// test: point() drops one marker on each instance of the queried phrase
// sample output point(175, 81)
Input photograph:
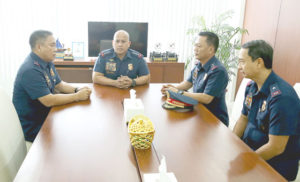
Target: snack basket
point(141, 131)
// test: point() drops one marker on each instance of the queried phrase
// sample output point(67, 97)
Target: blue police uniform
point(133, 65)
point(275, 110)
point(212, 79)
point(35, 78)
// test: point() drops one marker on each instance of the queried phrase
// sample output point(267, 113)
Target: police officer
point(209, 78)
point(33, 94)
point(270, 119)
point(121, 67)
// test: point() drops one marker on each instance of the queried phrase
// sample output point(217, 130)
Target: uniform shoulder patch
point(274, 89)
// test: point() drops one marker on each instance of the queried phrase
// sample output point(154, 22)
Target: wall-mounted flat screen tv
point(100, 36)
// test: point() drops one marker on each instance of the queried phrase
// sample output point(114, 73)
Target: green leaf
point(229, 38)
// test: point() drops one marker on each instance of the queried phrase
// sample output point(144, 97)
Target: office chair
point(12, 143)
point(238, 103)
point(105, 44)
point(297, 88)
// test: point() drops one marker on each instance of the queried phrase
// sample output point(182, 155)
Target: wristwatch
point(180, 92)
point(133, 83)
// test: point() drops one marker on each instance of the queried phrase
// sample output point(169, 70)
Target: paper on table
point(162, 176)
point(155, 177)
point(163, 170)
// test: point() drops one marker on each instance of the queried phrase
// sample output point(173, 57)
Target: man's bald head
point(121, 32)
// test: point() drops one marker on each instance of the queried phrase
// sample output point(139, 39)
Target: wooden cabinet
point(166, 72)
point(81, 71)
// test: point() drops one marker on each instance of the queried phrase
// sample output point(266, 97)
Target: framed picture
point(78, 49)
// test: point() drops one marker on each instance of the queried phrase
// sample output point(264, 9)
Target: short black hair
point(211, 39)
point(260, 49)
point(38, 35)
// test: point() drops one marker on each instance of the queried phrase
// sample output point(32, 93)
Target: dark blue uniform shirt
point(212, 79)
point(133, 64)
point(275, 110)
point(35, 78)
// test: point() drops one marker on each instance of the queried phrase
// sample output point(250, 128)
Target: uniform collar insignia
point(36, 63)
point(213, 67)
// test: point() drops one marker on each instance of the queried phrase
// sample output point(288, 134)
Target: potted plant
point(229, 39)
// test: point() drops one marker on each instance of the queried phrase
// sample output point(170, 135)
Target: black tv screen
point(100, 36)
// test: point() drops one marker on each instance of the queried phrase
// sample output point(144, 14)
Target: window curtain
point(168, 23)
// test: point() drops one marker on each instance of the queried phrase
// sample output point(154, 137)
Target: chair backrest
point(12, 143)
point(297, 88)
point(238, 103)
point(105, 44)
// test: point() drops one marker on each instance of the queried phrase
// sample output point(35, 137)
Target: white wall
point(168, 22)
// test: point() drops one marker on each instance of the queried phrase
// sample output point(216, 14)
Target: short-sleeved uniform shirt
point(133, 64)
point(35, 78)
point(212, 79)
point(275, 110)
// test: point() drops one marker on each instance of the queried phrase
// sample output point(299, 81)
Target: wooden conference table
point(88, 141)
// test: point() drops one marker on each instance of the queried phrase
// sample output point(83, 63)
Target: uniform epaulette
point(106, 52)
point(274, 89)
point(213, 67)
point(135, 53)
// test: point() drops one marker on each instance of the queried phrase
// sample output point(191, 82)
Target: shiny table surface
point(88, 141)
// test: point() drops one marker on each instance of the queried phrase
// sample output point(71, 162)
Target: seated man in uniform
point(121, 67)
point(209, 78)
point(270, 118)
point(34, 94)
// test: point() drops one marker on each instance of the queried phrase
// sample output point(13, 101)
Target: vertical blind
point(168, 23)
